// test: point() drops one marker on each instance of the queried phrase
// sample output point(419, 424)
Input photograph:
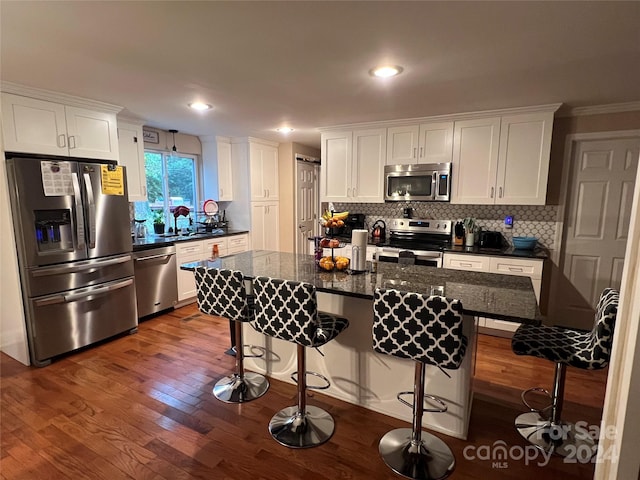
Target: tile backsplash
point(528, 220)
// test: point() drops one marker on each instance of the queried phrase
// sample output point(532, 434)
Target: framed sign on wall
point(150, 136)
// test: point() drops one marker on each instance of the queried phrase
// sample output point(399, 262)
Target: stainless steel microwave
point(426, 182)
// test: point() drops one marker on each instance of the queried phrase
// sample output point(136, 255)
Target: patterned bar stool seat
point(585, 350)
point(222, 293)
point(427, 329)
point(288, 310)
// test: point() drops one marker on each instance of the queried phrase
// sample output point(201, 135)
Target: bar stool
point(222, 293)
point(288, 310)
point(544, 427)
point(427, 329)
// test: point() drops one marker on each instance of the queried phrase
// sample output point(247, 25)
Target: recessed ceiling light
point(284, 129)
point(200, 106)
point(386, 71)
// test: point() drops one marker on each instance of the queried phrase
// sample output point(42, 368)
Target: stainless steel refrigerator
point(73, 236)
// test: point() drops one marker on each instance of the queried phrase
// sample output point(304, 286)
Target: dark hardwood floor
point(141, 407)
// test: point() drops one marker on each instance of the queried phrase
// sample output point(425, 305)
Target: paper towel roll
point(359, 239)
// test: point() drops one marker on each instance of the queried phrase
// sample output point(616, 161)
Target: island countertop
point(502, 297)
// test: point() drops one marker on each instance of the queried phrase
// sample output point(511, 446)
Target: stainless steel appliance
point(71, 220)
point(416, 241)
point(156, 280)
point(427, 182)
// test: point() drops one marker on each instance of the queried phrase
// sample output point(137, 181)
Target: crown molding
point(600, 109)
point(254, 140)
point(63, 98)
point(552, 107)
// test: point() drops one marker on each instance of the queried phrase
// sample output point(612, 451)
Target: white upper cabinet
point(225, 175)
point(335, 178)
point(402, 144)
point(131, 149)
point(523, 159)
point(424, 143)
point(475, 161)
point(502, 160)
point(32, 125)
point(263, 164)
point(353, 166)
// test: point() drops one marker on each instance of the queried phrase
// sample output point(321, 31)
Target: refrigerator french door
point(71, 220)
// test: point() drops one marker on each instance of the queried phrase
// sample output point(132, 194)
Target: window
point(171, 182)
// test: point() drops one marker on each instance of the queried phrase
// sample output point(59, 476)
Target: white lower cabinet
point(265, 234)
point(531, 268)
point(187, 252)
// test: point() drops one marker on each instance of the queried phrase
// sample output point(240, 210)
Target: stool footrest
point(539, 411)
point(443, 406)
point(294, 377)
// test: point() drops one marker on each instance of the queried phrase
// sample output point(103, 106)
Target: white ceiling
point(305, 64)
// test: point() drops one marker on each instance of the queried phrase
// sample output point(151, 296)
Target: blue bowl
point(525, 243)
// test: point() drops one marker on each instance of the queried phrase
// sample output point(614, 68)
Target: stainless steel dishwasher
point(156, 279)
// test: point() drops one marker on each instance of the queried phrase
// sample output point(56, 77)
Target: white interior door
point(307, 204)
point(596, 226)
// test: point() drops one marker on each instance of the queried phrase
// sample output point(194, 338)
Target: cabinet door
point(335, 178)
point(263, 164)
point(475, 161)
point(402, 145)
point(271, 227)
point(369, 152)
point(436, 142)
point(225, 176)
point(33, 126)
point(523, 161)
point(92, 134)
point(131, 149)
point(186, 280)
point(258, 213)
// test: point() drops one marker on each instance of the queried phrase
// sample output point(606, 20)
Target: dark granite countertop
point(502, 297)
point(155, 241)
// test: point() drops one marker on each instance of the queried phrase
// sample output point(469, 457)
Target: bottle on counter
point(215, 253)
point(374, 263)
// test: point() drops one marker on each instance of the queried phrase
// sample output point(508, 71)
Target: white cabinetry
point(502, 160)
point(31, 125)
point(265, 226)
point(263, 164)
point(197, 250)
point(353, 166)
point(531, 268)
point(225, 173)
point(131, 148)
point(424, 143)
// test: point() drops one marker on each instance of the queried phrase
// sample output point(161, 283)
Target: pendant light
point(174, 150)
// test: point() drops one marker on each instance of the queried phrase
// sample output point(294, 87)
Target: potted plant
point(158, 221)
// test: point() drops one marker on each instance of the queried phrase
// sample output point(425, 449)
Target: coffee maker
point(354, 221)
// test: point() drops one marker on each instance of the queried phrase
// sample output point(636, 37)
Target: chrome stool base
point(430, 459)
point(236, 389)
point(564, 439)
point(313, 428)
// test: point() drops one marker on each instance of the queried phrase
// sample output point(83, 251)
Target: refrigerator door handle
point(88, 295)
point(74, 297)
point(92, 211)
point(85, 267)
point(77, 199)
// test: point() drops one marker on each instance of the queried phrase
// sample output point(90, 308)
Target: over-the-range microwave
point(426, 182)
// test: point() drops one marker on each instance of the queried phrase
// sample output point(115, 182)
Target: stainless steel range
point(416, 241)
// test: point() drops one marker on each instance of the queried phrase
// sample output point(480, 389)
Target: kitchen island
point(358, 374)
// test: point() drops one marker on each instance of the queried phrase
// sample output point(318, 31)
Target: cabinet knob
point(500, 192)
point(72, 141)
point(415, 150)
point(421, 149)
point(62, 141)
point(491, 192)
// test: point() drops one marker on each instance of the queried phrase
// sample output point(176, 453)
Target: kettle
point(141, 229)
point(379, 229)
